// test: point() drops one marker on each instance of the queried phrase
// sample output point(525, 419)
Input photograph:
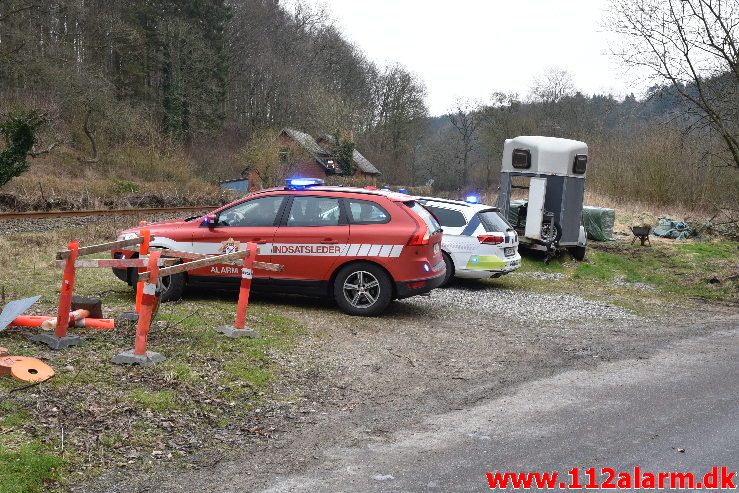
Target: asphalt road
point(622, 414)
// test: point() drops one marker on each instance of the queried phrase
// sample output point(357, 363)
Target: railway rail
point(99, 212)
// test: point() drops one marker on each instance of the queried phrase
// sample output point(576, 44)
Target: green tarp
point(598, 221)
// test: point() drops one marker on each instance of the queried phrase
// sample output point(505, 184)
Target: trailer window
point(521, 159)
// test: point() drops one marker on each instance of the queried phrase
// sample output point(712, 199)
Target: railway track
point(99, 212)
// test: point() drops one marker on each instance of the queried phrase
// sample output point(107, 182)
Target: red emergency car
point(363, 247)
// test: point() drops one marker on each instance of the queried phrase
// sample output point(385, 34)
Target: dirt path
point(360, 379)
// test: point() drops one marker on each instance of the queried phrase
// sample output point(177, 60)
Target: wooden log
point(117, 263)
point(102, 247)
point(196, 264)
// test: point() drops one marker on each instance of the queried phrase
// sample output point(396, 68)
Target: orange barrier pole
point(246, 275)
point(148, 295)
point(143, 250)
point(38, 320)
point(65, 296)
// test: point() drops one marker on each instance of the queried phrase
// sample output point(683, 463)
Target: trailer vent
point(581, 161)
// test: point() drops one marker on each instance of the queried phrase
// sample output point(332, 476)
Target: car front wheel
point(363, 289)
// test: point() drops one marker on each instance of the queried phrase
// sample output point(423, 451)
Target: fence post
point(149, 301)
point(60, 339)
point(238, 328)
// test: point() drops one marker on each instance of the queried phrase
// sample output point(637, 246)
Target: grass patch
point(28, 468)
point(162, 400)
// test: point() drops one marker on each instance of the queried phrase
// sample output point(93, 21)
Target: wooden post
point(148, 302)
point(65, 296)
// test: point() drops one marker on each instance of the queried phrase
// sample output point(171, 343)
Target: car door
point(310, 240)
point(252, 220)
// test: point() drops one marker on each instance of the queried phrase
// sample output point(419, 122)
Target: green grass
point(28, 468)
point(163, 400)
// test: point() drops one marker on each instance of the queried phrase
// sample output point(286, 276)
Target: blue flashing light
point(426, 267)
point(303, 182)
point(474, 259)
point(403, 190)
point(472, 199)
point(387, 189)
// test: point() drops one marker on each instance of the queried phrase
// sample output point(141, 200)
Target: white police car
point(477, 242)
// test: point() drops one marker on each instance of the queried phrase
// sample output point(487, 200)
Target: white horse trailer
point(553, 173)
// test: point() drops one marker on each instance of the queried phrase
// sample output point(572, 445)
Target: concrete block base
point(55, 342)
point(129, 358)
point(233, 332)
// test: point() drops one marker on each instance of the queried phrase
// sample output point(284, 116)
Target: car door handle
point(329, 241)
point(259, 241)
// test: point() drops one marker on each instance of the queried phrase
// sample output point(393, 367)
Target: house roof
point(321, 154)
point(362, 162)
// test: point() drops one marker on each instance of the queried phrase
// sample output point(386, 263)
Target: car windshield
point(492, 221)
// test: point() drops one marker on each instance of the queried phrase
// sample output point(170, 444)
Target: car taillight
point(491, 239)
point(421, 235)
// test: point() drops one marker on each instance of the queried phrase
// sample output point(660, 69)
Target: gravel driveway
point(356, 380)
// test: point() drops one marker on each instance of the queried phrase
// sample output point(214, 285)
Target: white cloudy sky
point(471, 48)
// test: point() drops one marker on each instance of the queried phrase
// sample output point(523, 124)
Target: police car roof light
point(403, 190)
point(303, 182)
point(472, 199)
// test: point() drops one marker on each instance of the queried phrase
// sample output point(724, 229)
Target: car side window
point(314, 211)
point(366, 212)
point(447, 217)
point(259, 212)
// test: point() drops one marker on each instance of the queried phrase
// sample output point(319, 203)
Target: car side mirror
point(209, 221)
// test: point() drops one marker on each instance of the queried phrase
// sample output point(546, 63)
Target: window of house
point(283, 155)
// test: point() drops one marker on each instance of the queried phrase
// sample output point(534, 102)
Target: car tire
point(171, 288)
point(449, 269)
point(578, 253)
point(363, 289)
point(552, 238)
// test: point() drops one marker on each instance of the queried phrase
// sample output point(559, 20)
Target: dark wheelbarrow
point(642, 233)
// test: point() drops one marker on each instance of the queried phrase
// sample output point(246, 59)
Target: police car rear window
point(493, 222)
point(432, 224)
point(447, 217)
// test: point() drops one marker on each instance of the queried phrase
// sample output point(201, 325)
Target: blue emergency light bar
point(297, 183)
point(403, 190)
point(472, 199)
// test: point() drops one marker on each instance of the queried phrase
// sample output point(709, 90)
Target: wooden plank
point(269, 266)
point(196, 264)
point(102, 247)
point(196, 256)
point(88, 263)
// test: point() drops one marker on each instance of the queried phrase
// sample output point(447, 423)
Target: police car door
point(252, 220)
point(310, 240)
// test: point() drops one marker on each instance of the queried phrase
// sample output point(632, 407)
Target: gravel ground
point(521, 306)
point(358, 380)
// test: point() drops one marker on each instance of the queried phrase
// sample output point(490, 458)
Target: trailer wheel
point(549, 236)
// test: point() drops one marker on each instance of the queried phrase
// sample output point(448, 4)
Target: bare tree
point(466, 117)
point(552, 85)
point(692, 46)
